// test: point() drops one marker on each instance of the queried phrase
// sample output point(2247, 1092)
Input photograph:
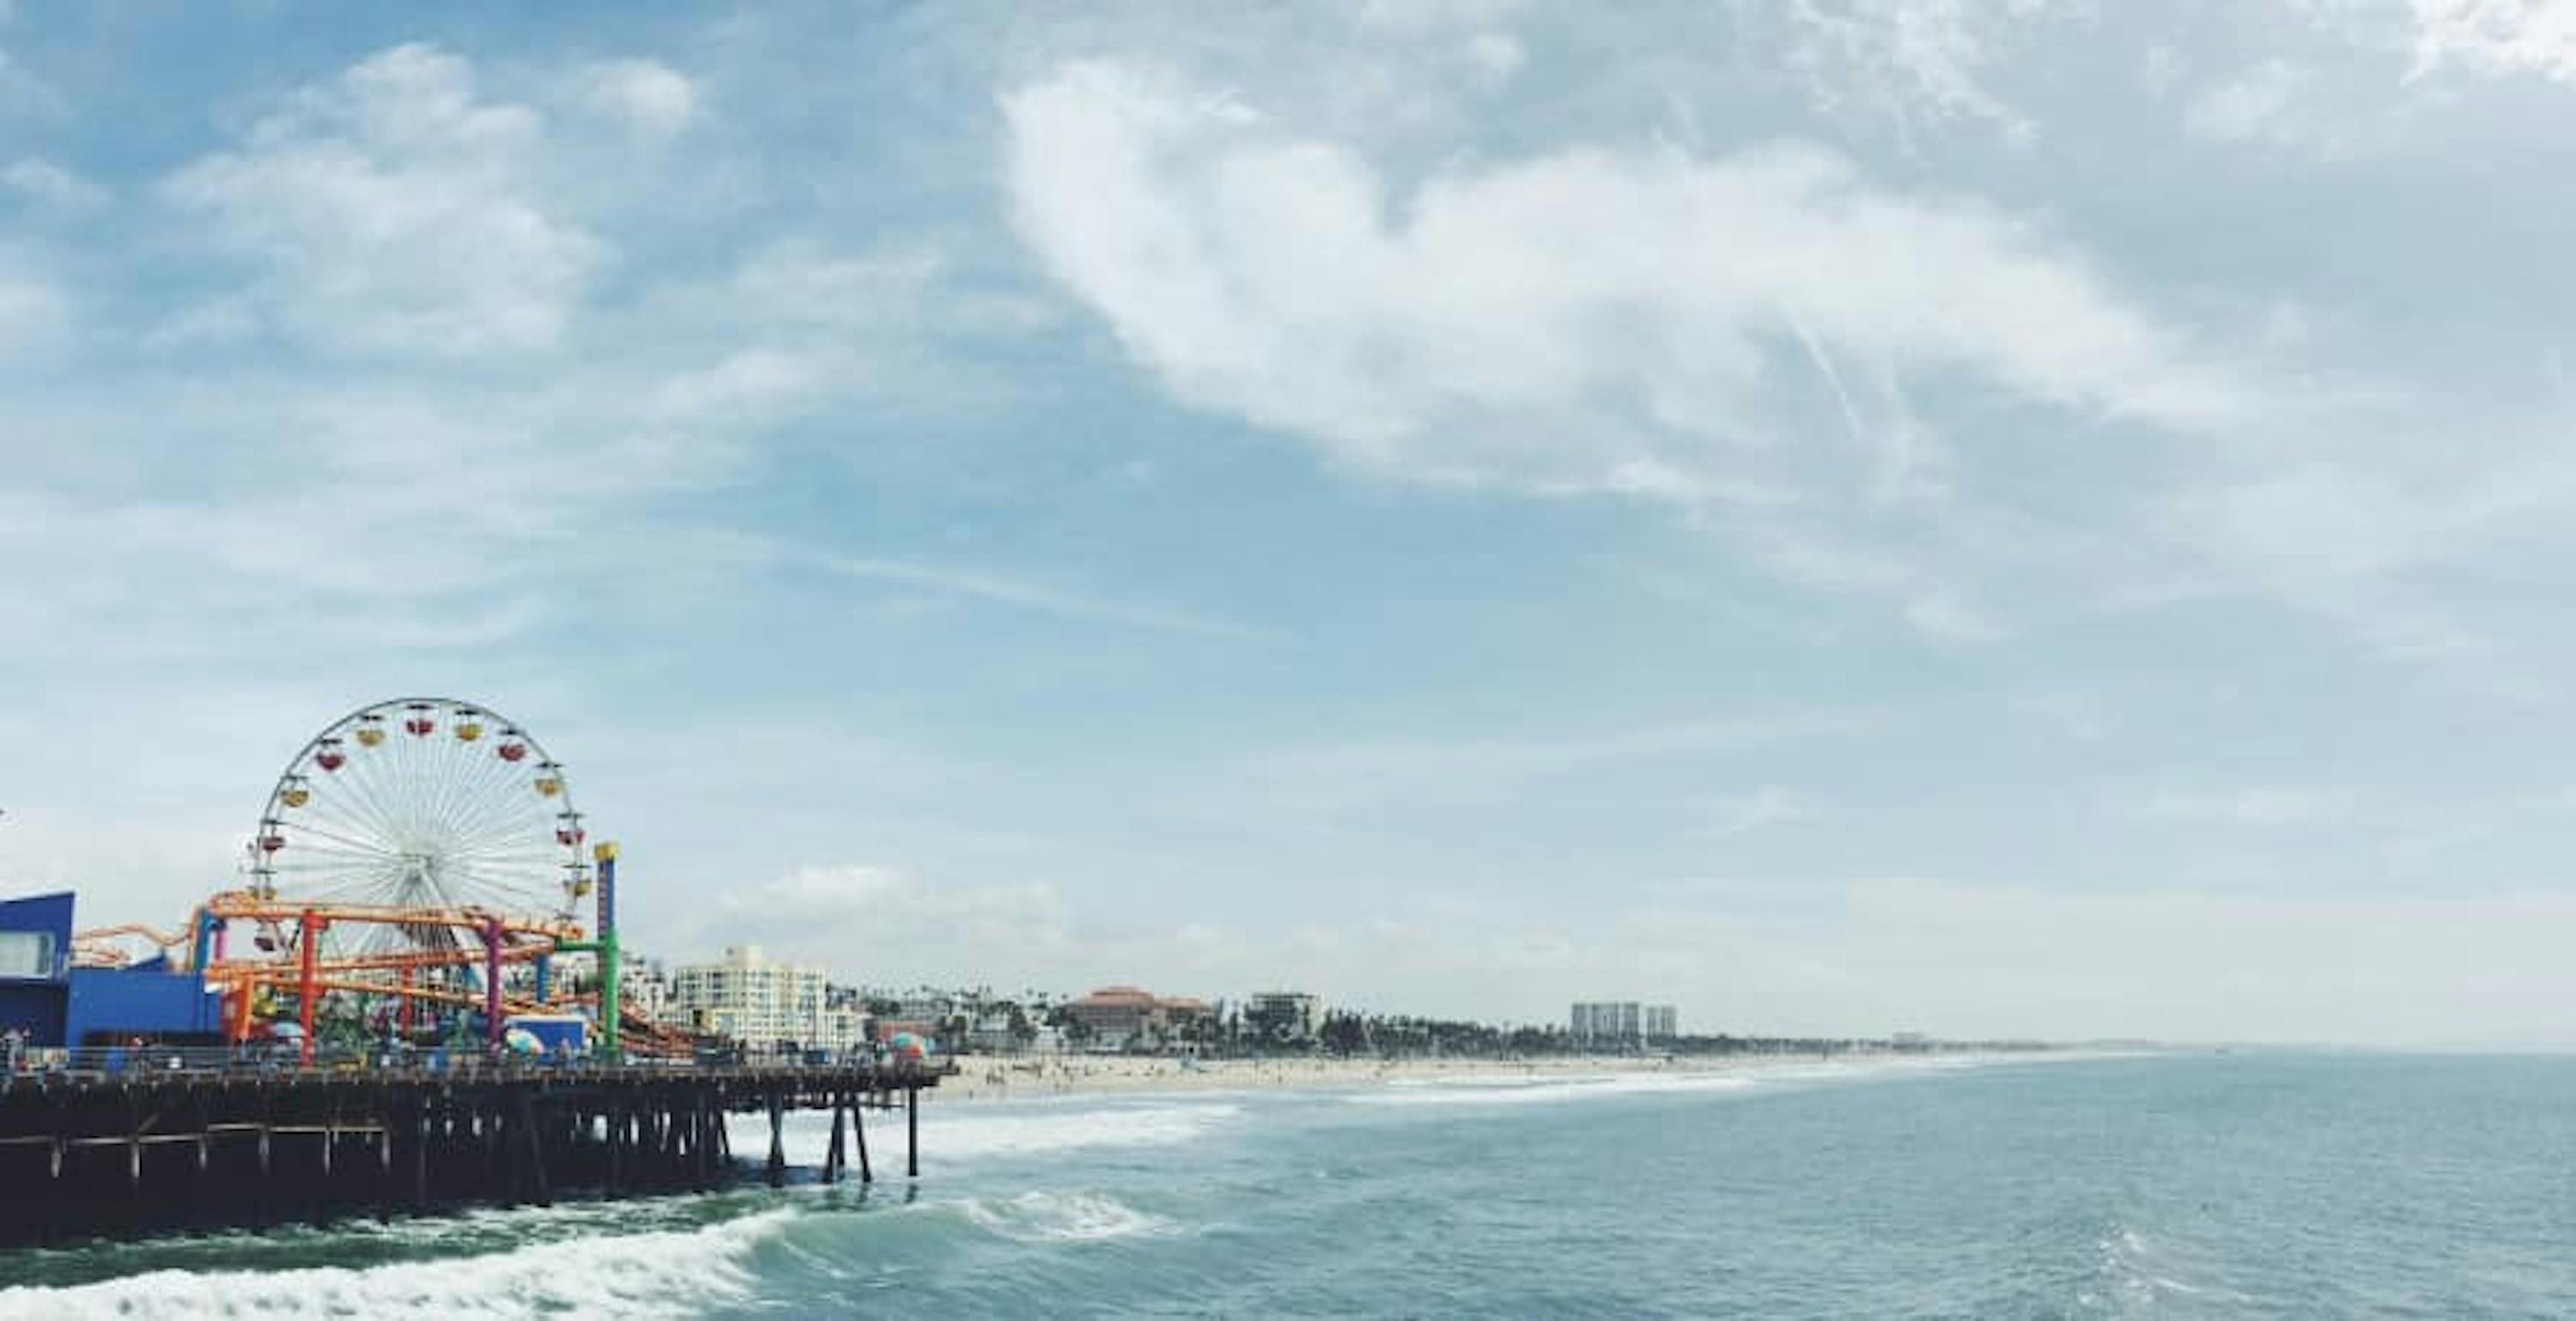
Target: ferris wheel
point(421, 803)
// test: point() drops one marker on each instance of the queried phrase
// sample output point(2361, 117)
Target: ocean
point(2186, 1185)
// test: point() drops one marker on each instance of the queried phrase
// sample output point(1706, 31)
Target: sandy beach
point(997, 1078)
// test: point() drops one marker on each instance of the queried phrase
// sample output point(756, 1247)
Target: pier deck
point(87, 1152)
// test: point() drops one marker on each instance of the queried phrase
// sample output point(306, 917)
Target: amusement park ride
point(417, 862)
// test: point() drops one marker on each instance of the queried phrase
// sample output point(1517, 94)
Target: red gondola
point(513, 751)
point(421, 725)
point(329, 759)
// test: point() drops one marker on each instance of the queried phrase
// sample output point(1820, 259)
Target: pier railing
point(269, 1060)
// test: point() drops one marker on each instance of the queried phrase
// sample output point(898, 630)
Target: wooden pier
point(93, 1153)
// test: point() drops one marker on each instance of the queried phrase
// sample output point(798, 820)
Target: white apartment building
point(1623, 1024)
point(642, 991)
point(756, 1000)
point(1613, 1023)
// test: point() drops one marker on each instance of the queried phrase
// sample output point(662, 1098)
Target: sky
point(1987, 517)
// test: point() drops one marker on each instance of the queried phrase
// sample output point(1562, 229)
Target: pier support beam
point(912, 1132)
point(859, 1132)
point(832, 1159)
point(777, 1140)
point(535, 1140)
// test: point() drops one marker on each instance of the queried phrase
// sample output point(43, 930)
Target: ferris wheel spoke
point(463, 803)
point(359, 845)
point(335, 817)
point(494, 879)
point(350, 782)
point(491, 800)
point(477, 833)
point(362, 799)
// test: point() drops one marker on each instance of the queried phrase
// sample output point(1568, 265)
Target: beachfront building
point(643, 991)
point(1122, 1018)
point(1282, 1016)
point(1622, 1025)
point(1607, 1024)
point(1117, 1018)
point(753, 999)
point(839, 1028)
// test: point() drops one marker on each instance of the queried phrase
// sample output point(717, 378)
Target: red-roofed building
point(1117, 1018)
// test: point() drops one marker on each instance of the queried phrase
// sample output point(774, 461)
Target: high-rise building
point(753, 999)
point(1621, 1024)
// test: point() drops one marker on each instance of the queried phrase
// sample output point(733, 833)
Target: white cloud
point(2356, 540)
point(2158, 69)
point(33, 314)
point(1441, 336)
point(1496, 53)
point(2252, 104)
point(394, 211)
point(1920, 61)
point(1434, 15)
point(45, 182)
point(2270, 805)
point(2497, 36)
point(648, 97)
point(1767, 806)
point(859, 919)
point(1042, 599)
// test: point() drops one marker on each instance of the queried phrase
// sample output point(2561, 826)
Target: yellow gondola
point(296, 797)
point(550, 786)
point(369, 736)
point(468, 730)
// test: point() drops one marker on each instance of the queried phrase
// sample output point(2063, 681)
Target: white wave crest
point(1041, 1217)
point(983, 1131)
point(665, 1273)
point(968, 1137)
point(1552, 1091)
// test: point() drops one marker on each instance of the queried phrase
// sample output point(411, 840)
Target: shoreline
point(984, 1079)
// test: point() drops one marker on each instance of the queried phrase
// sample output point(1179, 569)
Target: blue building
point(56, 1004)
point(35, 966)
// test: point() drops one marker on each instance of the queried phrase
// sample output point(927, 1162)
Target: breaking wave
point(986, 1133)
point(662, 1273)
point(1042, 1217)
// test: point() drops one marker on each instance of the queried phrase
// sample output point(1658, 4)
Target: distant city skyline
point(2013, 519)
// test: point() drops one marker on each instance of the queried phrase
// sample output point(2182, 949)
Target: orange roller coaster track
point(503, 940)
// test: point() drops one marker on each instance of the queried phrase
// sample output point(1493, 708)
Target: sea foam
point(1044, 1217)
point(1550, 1091)
point(663, 1273)
point(988, 1132)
